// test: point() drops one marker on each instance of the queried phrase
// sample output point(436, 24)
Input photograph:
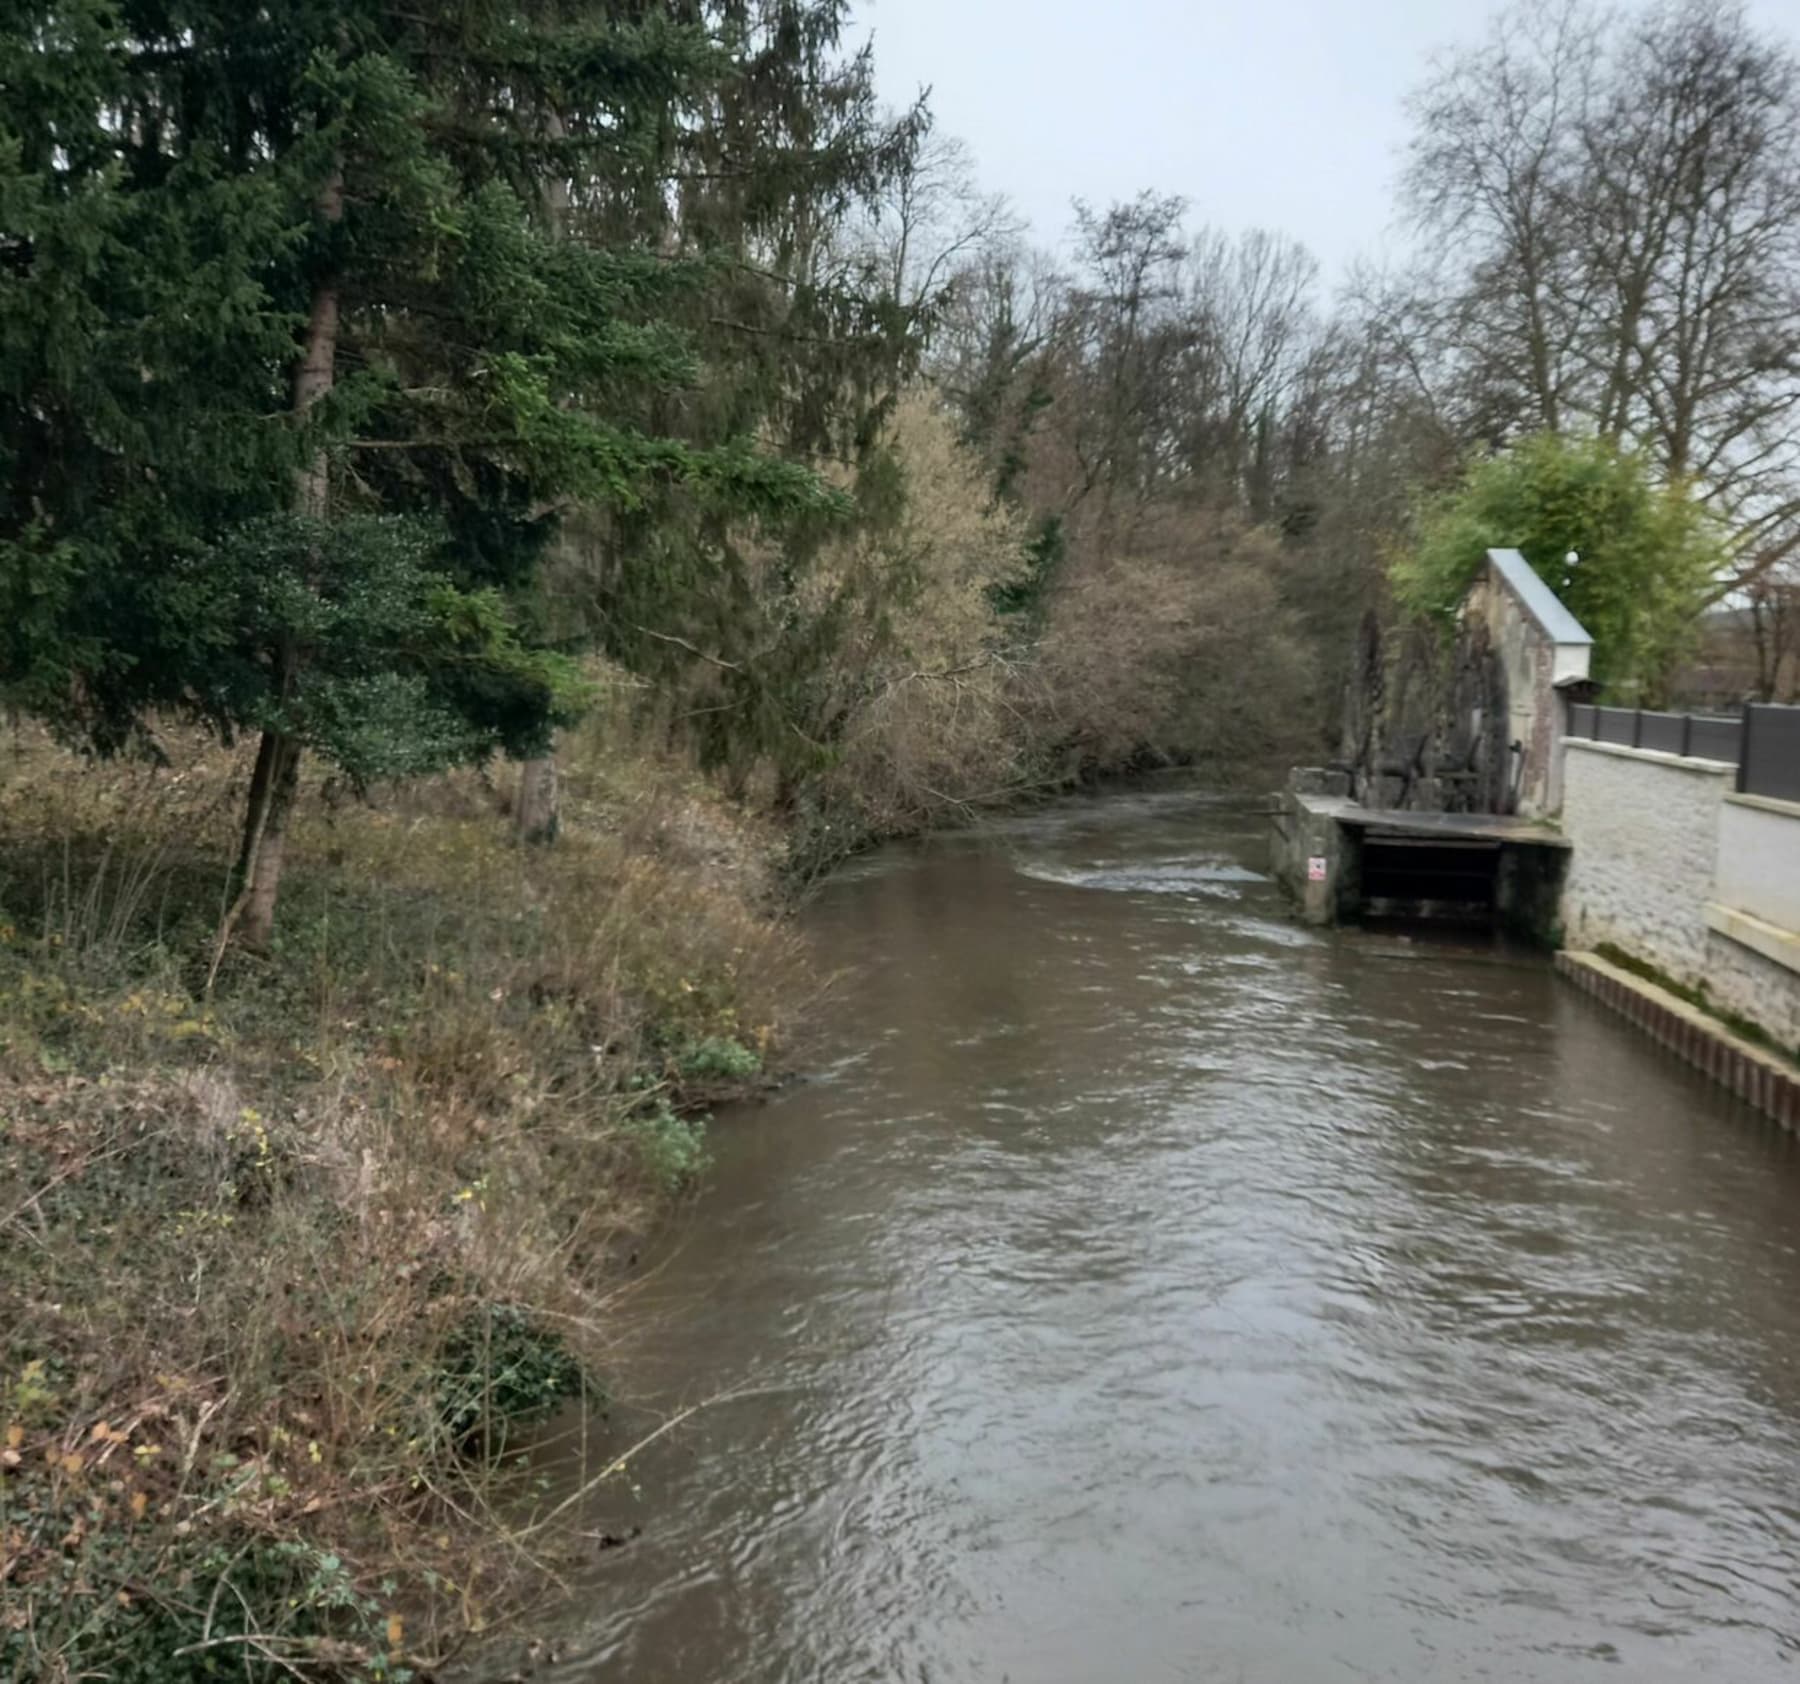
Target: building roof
point(1537, 598)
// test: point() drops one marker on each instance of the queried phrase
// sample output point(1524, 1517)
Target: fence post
point(1637, 729)
point(1687, 736)
point(1743, 777)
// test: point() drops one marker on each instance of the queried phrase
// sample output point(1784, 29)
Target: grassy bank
point(284, 1263)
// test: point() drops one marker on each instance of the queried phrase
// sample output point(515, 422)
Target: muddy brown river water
point(1147, 1288)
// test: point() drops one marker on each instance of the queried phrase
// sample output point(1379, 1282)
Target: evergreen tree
point(802, 345)
point(297, 382)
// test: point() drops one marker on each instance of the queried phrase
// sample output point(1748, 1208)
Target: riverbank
point(291, 1255)
point(285, 1258)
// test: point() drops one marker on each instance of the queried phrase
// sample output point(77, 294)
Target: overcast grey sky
point(1275, 113)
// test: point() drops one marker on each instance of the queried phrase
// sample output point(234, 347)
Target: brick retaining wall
point(1761, 1079)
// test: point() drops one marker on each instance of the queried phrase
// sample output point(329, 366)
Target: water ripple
point(1154, 1289)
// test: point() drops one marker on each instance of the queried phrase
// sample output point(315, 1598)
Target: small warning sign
point(1315, 869)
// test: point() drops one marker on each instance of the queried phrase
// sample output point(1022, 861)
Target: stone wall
point(1741, 981)
point(1305, 830)
point(1656, 847)
point(1530, 662)
point(1645, 829)
point(1755, 916)
point(1759, 859)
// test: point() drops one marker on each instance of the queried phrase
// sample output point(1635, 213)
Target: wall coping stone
point(1757, 934)
point(1677, 762)
point(1766, 804)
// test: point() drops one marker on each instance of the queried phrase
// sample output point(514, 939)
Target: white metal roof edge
point(1537, 598)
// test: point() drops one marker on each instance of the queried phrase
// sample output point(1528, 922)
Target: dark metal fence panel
point(1716, 738)
point(1699, 736)
point(1771, 759)
point(1618, 725)
point(1665, 732)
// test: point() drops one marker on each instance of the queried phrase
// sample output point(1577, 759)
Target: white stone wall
point(1658, 840)
point(1759, 859)
point(1645, 829)
point(1742, 981)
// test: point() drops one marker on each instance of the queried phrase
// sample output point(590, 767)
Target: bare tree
point(1250, 304)
point(1773, 611)
point(1120, 338)
point(1690, 193)
point(987, 347)
point(934, 222)
point(1490, 183)
point(1617, 205)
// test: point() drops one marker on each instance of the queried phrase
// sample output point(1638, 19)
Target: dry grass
point(280, 1269)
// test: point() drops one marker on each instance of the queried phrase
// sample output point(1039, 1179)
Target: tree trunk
point(277, 774)
point(536, 815)
point(260, 782)
point(265, 837)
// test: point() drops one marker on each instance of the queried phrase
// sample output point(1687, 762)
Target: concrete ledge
point(1765, 804)
point(1675, 762)
point(1760, 936)
point(1759, 1078)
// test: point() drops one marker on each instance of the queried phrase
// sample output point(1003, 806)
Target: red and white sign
point(1315, 869)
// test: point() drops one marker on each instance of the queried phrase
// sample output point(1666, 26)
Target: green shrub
point(500, 1370)
point(1647, 552)
point(671, 1149)
point(720, 1057)
point(119, 1603)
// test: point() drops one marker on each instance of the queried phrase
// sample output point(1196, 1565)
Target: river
point(1147, 1288)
